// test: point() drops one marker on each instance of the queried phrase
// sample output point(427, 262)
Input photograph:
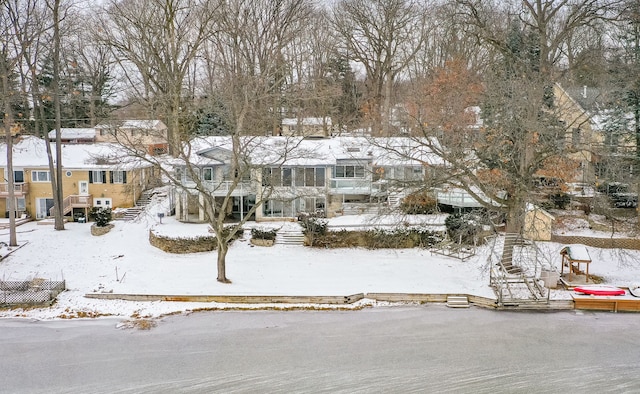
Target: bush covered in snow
point(102, 216)
point(268, 234)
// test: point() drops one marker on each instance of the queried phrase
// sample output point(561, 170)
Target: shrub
point(227, 229)
point(268, 234)
point(378, 238)
point(560, 200)
point(419, 203)
point(102, 216)
point(314, 226)
point(464, 227)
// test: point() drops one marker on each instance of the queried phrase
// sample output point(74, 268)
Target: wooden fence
point(604, 243)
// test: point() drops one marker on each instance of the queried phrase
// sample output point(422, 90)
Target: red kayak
point(600, 290)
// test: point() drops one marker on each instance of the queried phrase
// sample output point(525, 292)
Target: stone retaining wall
point(183, 245)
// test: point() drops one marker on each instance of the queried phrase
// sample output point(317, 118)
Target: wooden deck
point(622, 303)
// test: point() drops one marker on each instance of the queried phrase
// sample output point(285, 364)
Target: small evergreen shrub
point(268, 234)
point(464, 227)
point(101, 216)
point(560, 200)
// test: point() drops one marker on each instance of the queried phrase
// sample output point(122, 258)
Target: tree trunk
point(8, 122)
point(223, 248)
point(57, 190)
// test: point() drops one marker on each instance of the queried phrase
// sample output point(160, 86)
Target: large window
point(300, 176)
point(118, 177)
point(40, 176)
point(313, 176)
point(349, 171)
point(97, 177)
point(18, 176)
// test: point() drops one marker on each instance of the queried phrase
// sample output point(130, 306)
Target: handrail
point(17, 187)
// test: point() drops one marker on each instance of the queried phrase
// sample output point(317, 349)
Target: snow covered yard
point(123, 261)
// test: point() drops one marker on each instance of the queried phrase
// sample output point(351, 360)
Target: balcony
point(350, 186)
point(224, 188)
point(19, 189)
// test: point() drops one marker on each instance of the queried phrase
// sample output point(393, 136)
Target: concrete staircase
point(133, 212)
point(290, 236)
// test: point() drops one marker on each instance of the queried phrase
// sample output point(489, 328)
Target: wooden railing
point(73, 201)
point(18, 188)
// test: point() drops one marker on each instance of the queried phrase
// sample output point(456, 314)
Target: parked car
point(625, 200)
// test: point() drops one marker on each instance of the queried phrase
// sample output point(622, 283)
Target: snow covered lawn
point(123, 261)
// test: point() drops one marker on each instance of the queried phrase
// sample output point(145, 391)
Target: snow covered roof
point(74, 133)
point(30, 152)
point(307, 121)
point(298, 151)
point(133, 124)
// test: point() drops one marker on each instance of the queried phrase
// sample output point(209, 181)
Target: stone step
point(457, 302)
point(288, 237)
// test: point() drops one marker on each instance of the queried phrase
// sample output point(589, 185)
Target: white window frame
point(35, 176)
point(103, 202)
point(207, 172)
point(118, 176)
point(96, 176)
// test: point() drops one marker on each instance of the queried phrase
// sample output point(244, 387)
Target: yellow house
point(580, 138)
point(93, 175)
point(149, 134)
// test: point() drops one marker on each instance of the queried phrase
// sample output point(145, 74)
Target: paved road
point(410, 349)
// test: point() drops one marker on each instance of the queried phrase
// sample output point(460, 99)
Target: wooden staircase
point(515, 270)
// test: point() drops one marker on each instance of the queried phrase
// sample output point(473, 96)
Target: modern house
point(293, 176)
point(93, 175)
point(150, 134)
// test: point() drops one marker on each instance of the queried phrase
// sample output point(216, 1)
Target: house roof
point(590, 99)
point(74, 133)
point(307, 121)
point(30, 152)
point(307, 152)
point(133, 124)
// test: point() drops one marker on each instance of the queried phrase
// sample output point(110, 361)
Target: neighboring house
point(74, 135)
point(328, 177)
point(149, 134)
point(93, 175)
point(612, 148)
point(581, 140)
point(307, 127)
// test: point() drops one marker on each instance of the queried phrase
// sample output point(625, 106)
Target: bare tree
point(247, 67)
point(21, 29)
point(550, 25)
point(383, 36)
point(8, 60)
point(156, 43)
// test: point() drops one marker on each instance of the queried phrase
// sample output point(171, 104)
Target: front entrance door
point(83, 188)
